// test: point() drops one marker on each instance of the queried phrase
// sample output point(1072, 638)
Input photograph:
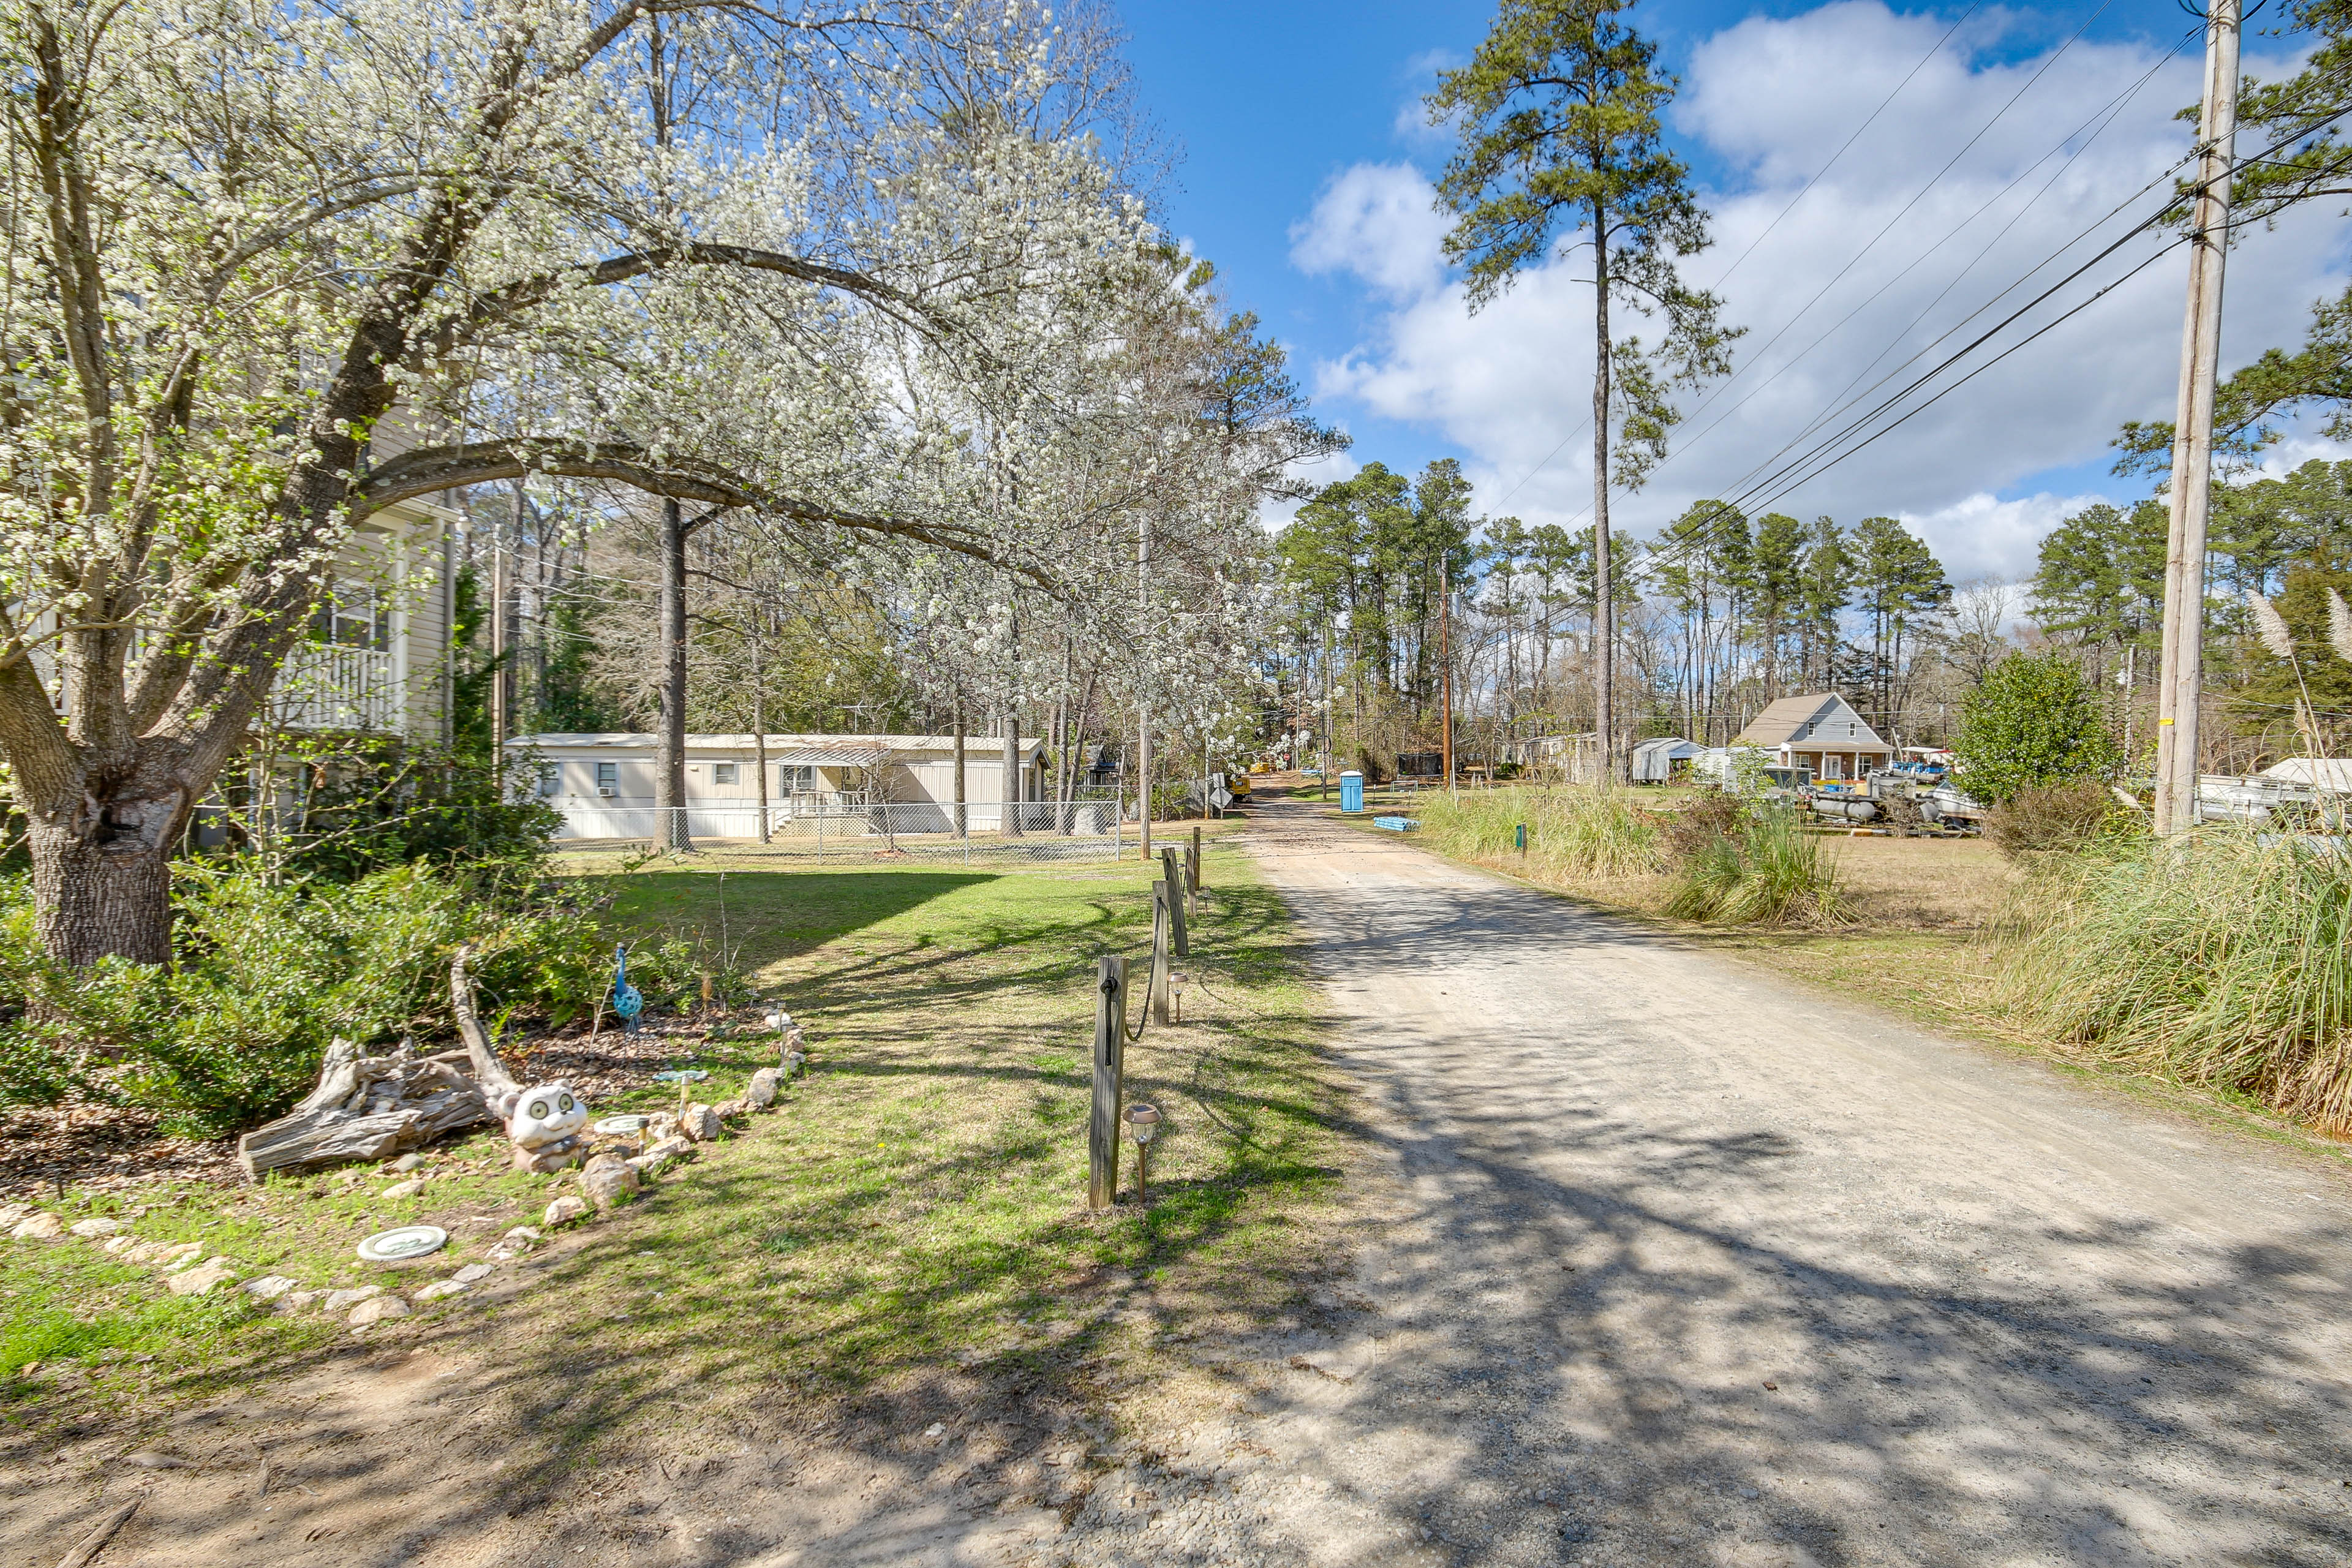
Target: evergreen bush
point(267, 971)
point(2035, 720)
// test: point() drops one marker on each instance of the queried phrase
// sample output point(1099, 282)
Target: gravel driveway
point(1675, 1262)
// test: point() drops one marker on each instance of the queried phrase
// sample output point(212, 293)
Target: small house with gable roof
point(1820, 731)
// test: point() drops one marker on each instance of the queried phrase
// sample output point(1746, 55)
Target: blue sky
point(1303, 177)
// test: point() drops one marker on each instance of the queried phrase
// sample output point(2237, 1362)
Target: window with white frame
point(793, 780)
point(551, 777)
point(352, 615)
point(722, 772)
point(608, 778)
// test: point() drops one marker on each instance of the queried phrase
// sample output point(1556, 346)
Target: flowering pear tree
point(240, 238)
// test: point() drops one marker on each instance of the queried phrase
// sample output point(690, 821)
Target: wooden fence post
point(1163, 911)
point(1192, 865)
point(1179, 942)
point(1110, 1062)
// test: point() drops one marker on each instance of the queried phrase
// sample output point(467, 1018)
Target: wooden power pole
point(2179, 686)
point(1446, 675)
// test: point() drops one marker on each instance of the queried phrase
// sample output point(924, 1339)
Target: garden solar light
point(1143, 1126)
point(1176, 992)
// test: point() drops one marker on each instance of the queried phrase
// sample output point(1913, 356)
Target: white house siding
point(921, 771)
point(403, 686)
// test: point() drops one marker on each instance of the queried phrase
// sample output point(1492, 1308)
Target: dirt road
point(1682, 1264)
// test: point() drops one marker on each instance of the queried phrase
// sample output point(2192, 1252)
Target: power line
point(1901, 213)
point(1810, 182)
point(2102, 119)
point(1934, 49)
point(2147, 223)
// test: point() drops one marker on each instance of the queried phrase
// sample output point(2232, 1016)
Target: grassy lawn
point(912, 1219)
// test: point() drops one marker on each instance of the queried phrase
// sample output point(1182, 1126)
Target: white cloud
point(1979, 535)
point(1375, 221)
point(1774, 99)
point(1273, 515)
point(1411, 124)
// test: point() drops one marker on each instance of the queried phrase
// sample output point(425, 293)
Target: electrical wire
point(2108, 112)
point(1812, 180)
point(1744, 497)
point(1901, 213)
point(2102, 120)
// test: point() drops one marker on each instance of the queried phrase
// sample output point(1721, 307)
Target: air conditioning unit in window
point(606, 792)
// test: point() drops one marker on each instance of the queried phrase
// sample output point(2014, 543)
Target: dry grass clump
point(2222, 962)
point(2050, 819)
point(1763, 871)
point(1710, 859)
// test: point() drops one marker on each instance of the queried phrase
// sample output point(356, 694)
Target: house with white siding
point(603, 784)
point(1820, 731)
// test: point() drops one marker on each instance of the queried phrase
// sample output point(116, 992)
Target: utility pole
point(1446, 677)
point(2179, 686)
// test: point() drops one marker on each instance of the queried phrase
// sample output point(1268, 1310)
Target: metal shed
point(1654, 762)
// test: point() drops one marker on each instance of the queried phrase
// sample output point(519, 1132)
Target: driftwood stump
point(372, 1107)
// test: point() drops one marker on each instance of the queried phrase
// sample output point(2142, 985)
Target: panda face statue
point(546, 1113)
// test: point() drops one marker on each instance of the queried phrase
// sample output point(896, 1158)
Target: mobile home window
point(551, 777)
point(608, 777)
point(790, 778)
point(722, 772)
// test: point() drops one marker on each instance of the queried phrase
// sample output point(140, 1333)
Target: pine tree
point(1561, 141)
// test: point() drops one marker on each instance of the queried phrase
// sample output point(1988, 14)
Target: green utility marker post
point(1521, 832)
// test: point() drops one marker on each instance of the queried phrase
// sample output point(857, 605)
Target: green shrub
point(2036, 720)
point(343, 807)
point(2224, 960)
point(1767, 872)
point(268, 972)
point(2050, 819)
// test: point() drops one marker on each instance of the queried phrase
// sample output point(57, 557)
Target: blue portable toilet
point(1352, 791)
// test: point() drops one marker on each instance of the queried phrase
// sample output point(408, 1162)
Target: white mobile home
point(603, 784)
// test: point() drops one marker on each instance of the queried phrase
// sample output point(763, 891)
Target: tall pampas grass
point(2271, 627)
point(2339, 626)
point(2224, 960)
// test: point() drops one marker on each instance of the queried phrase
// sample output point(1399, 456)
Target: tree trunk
point(103, 880)
point(1604, 609)
point(962, 822)
point(1011, 771)
point(669, 757)
point(759, 720)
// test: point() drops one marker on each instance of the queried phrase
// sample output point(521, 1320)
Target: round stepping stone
point(405, 1241)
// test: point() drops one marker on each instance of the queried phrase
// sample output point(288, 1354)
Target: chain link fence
point(990, 832)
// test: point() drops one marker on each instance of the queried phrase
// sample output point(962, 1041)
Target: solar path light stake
point(1178, 943)
point(1176, 993)
point(1143, 1126)
point(1110, 1052)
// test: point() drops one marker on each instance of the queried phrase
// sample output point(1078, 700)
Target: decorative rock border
point(607, 1180)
